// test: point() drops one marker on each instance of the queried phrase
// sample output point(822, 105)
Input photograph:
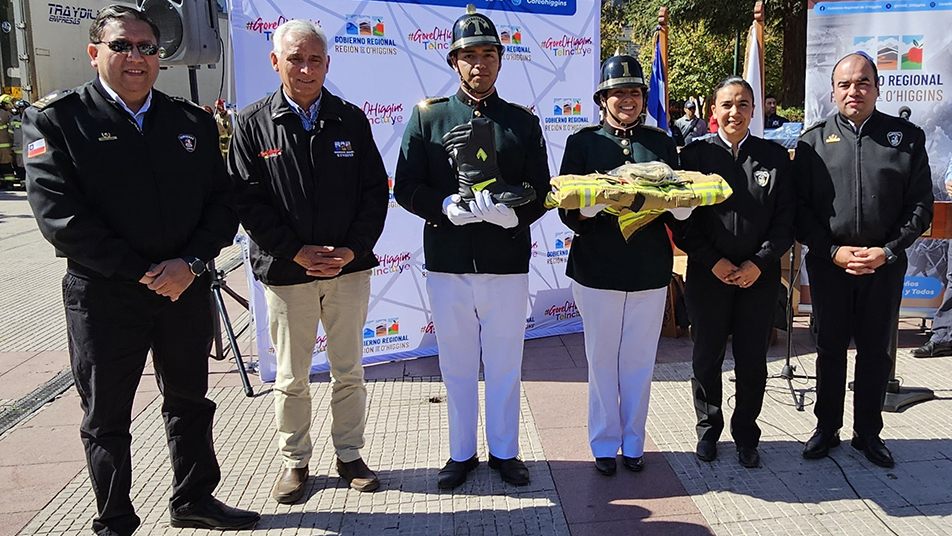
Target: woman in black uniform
point(619, 287)
point(733, 276)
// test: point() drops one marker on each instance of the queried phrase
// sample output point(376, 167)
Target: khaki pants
point(294, 312)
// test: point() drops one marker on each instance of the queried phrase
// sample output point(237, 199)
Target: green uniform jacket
point(600, 257)
point(872, 189)
point(425, 177)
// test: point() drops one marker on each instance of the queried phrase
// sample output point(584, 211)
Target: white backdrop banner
point(912, 47)
point(387, 56)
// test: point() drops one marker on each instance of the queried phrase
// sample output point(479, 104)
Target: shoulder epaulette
point(183, 100)
point(819, 123)
point(51, 98)
point(523, 108)
point(433, 100)
point(586, 128)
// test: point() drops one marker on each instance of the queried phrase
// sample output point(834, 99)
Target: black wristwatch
point(890, 256)
point(196, 265)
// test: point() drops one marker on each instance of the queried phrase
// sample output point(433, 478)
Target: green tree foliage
point(700, 40)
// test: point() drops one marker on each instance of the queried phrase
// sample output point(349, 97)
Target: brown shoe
point(290, 485)
point(360, 476)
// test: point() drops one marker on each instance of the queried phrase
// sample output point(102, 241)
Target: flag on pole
point(657, 89)
point(754, 69)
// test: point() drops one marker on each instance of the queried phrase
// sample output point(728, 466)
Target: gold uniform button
point(626, 151)
point(624, 142)
point(477, 114)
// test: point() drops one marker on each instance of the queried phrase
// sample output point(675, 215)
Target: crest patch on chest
point(895, 138)
point(762, 176)
point(188, 141)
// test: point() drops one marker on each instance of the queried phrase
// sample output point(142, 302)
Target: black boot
point(472, 146)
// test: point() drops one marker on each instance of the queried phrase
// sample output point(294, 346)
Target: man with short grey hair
point(312, 193)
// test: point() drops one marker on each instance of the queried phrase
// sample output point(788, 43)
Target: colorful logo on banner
point(567, 114)
point(383, 113)
point(393, 264)
point(435, 39)
point(364, 34)
point(510, 35)
point(392, 203)
point(563, 243)
point(892, 52)
point(564, 311)
point(893, 55)
point(511, 38)
point(568, 45)
point(384, 336)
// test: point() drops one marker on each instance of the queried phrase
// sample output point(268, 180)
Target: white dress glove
point(681, 213)
point(592, 211)
point(497, 214)
point(455, 214)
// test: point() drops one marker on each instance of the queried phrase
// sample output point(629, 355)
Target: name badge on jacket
point(343, 149)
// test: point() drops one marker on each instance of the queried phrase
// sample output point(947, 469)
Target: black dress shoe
point(512, 470)
point(748, 457)
point(875, 450)
point(606, 466)
point(358, 475)
point(706, 450)
point(453, 474)
point(635, 465)
point(213, 515)
point(933, 349)
point(820, 443)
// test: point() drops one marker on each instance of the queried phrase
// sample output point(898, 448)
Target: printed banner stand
point(909, 41)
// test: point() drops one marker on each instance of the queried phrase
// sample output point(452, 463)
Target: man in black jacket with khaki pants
point(865, 195)
point(312, 193)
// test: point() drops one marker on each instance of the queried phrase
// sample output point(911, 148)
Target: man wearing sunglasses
point(129, 185)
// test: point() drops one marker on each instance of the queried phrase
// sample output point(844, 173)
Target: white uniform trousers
point(295, 310)
point(480, 316)
point(621, 342)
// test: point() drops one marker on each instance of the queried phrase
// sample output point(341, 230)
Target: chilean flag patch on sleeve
point(36, 148)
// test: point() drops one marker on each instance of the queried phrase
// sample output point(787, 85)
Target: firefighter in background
point(225, 126)
point(6, 140)
point(16, 132)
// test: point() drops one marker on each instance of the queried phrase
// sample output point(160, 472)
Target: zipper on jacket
point(858, 180)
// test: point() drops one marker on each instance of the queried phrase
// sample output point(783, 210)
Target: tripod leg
point(220, 302)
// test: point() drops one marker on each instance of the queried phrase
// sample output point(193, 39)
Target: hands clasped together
point(859, 260)
point(323, 261)
point(169, 278)
point(743, 276)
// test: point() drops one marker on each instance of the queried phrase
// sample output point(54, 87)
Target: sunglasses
point(124, 47)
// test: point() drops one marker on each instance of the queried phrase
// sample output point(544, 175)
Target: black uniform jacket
point(868, 189)
point(756, 222)
point(425, 177)
point(600, 256)
point(115, 200)
point(324, 187)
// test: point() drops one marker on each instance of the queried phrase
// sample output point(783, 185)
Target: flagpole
point(663, 37)
point(754, 67)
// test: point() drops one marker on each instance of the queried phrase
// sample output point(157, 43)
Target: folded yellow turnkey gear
point(660, 186)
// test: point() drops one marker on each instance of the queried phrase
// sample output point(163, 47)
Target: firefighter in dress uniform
point(619, 286)
point(733, 276)
point(477, 247)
